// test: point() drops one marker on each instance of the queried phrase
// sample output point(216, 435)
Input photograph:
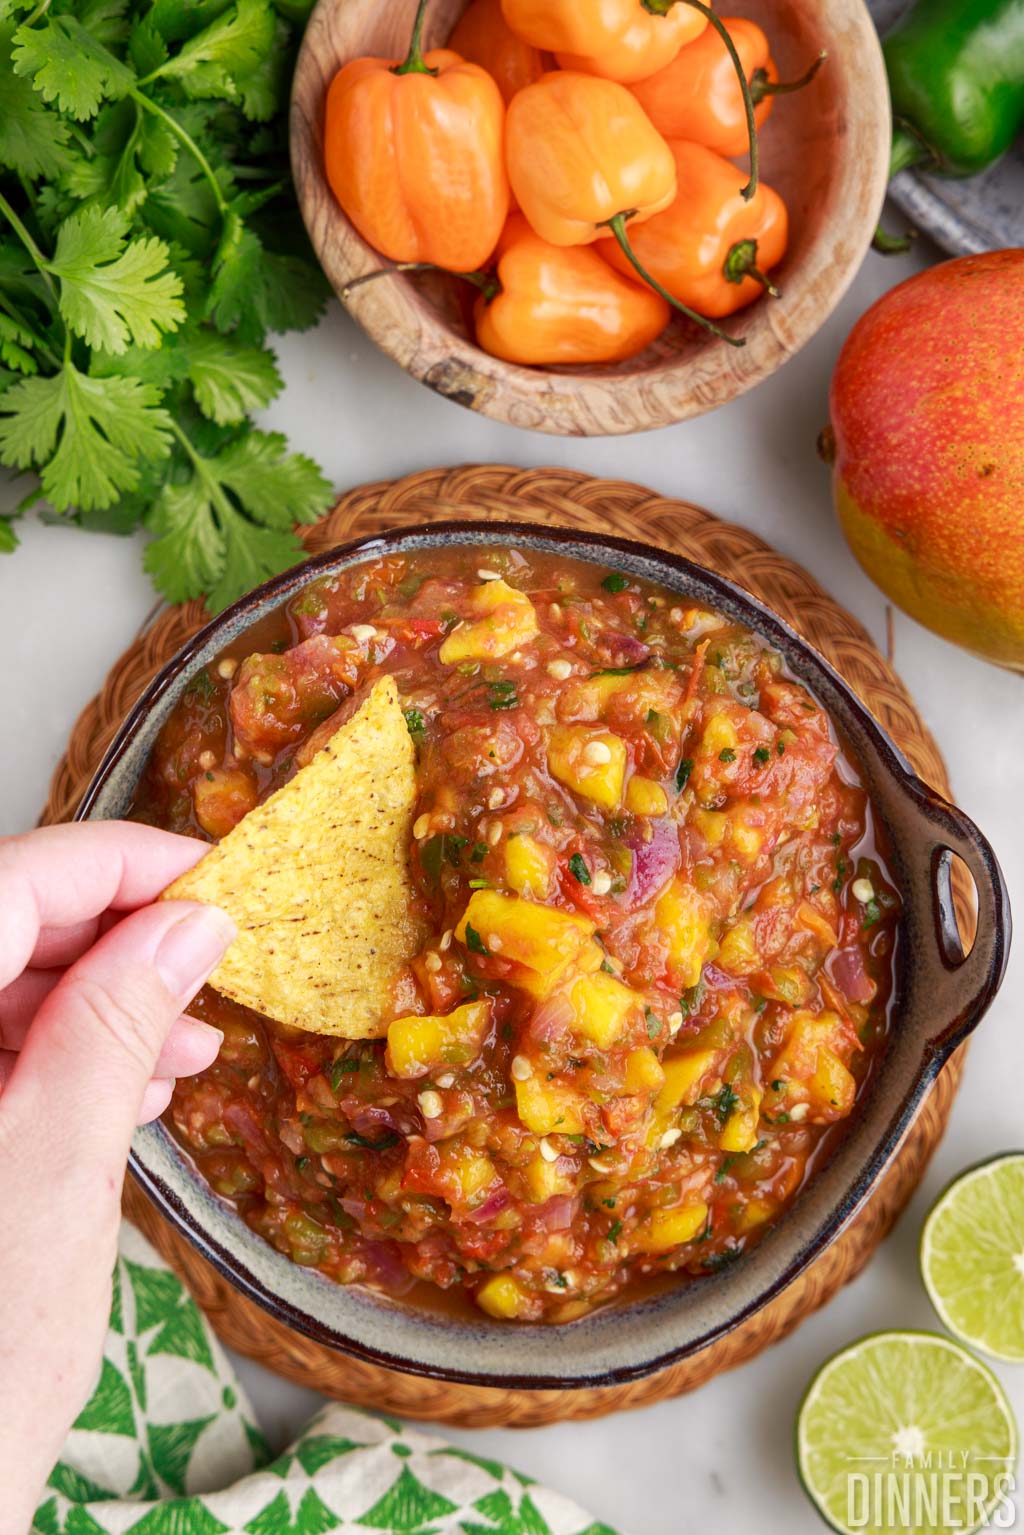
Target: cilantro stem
point(37, 15)
point(40, 343)
point(28, 242)
point(218, 499)
point(184, 137)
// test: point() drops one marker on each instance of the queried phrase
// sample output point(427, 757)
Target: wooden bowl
point(825, 150)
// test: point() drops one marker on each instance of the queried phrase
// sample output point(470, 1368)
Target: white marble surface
point(70, 603)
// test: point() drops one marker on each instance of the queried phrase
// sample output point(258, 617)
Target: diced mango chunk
point(601, 1004)
point(680, 915)
point(832, 1088)
point(810, 1066)
point(643, 1071)
point(737, 948)
point(544, 1180)
point(671, 1228)
point(590, 762)
point(683, 1076)
point(746, 840)
point(418, 1044)
point(501, 1296)
point(754, 1213)
point(711, 824)
point(529, 866)
point(467, 1173)
point(740, 1133)
point(645, 797)
point(540, 941)
point(720, 734)
point(502, 620)
point(549, 1108)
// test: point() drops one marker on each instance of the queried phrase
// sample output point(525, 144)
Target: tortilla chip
point(317, 880)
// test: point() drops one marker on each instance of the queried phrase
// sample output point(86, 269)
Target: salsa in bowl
point(666, 873)
point(658, 938)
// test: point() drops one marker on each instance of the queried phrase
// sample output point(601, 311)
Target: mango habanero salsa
point(660, 942)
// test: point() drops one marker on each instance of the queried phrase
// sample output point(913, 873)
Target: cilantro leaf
point(233, 45)
point(229, 379)
point(33, 139)
point(255, 290)
point(8, 537)
point(15, 346)
point(228, 526)
point(113, 292)
point(69, 66)
point(100, 429)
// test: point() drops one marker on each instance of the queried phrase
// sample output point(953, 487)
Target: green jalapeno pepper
point(956, 73)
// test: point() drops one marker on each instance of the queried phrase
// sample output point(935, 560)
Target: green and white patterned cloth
point(167, 1445)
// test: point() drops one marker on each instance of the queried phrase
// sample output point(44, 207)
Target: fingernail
point(192, 948)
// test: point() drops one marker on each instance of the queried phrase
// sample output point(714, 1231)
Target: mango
point(643, 1071)
point(671, 1228)
point(811, 1068)
point(737, 948)
point(549, 1108)
point(602, 1005)
point(529, 866)
point(645, 797)
point(720, 734)
point(422, 1043)
point(502, 620)
point(740, 1133)
point(541, 941)
point(680, 916)
point(501, 1296)
point(683, 1076)
point(927, 447)
point(544, 1180)
point(590, 762)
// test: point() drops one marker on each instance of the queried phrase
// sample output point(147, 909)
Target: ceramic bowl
point(941, 994)
point(825, 150)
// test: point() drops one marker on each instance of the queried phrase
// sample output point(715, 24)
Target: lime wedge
point(972, 1257)
point(906, 1431)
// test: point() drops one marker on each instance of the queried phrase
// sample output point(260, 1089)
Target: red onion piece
point(851, 977)
point(618, 649)
point(386, 1268)
point(553, 1019)
point(557, 1213)
point(497, 1200)
point(655, 860)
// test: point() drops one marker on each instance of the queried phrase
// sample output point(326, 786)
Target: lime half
point(972, 1257)
point(906, 1431)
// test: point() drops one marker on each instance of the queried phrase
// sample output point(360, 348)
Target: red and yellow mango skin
point(927, 409)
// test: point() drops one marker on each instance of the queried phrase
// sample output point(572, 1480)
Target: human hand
point(93, 980)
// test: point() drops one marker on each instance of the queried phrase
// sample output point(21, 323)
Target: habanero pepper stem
point(741, 262)
point(761, 86)
point(661, 8)
point(617, 225)
point(414, 62)
point(486, 282)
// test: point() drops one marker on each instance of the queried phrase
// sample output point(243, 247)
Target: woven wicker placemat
point(553, 497)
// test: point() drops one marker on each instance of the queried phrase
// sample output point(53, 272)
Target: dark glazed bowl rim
point(939, 829)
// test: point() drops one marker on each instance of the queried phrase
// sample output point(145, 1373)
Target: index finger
point(61, 875)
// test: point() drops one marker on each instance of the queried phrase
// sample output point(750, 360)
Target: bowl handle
point(967, 982)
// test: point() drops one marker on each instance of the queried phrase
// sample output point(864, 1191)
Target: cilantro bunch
point(149, 243)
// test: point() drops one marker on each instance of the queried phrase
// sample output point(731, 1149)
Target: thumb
point(95, 1040)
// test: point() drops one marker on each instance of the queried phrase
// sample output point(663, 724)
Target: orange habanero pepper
point(583, 158)
point(710, 250)
point(484, 37)
point(563, 304)
point(618, 39)
point(414, 153)
point(698, 97)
